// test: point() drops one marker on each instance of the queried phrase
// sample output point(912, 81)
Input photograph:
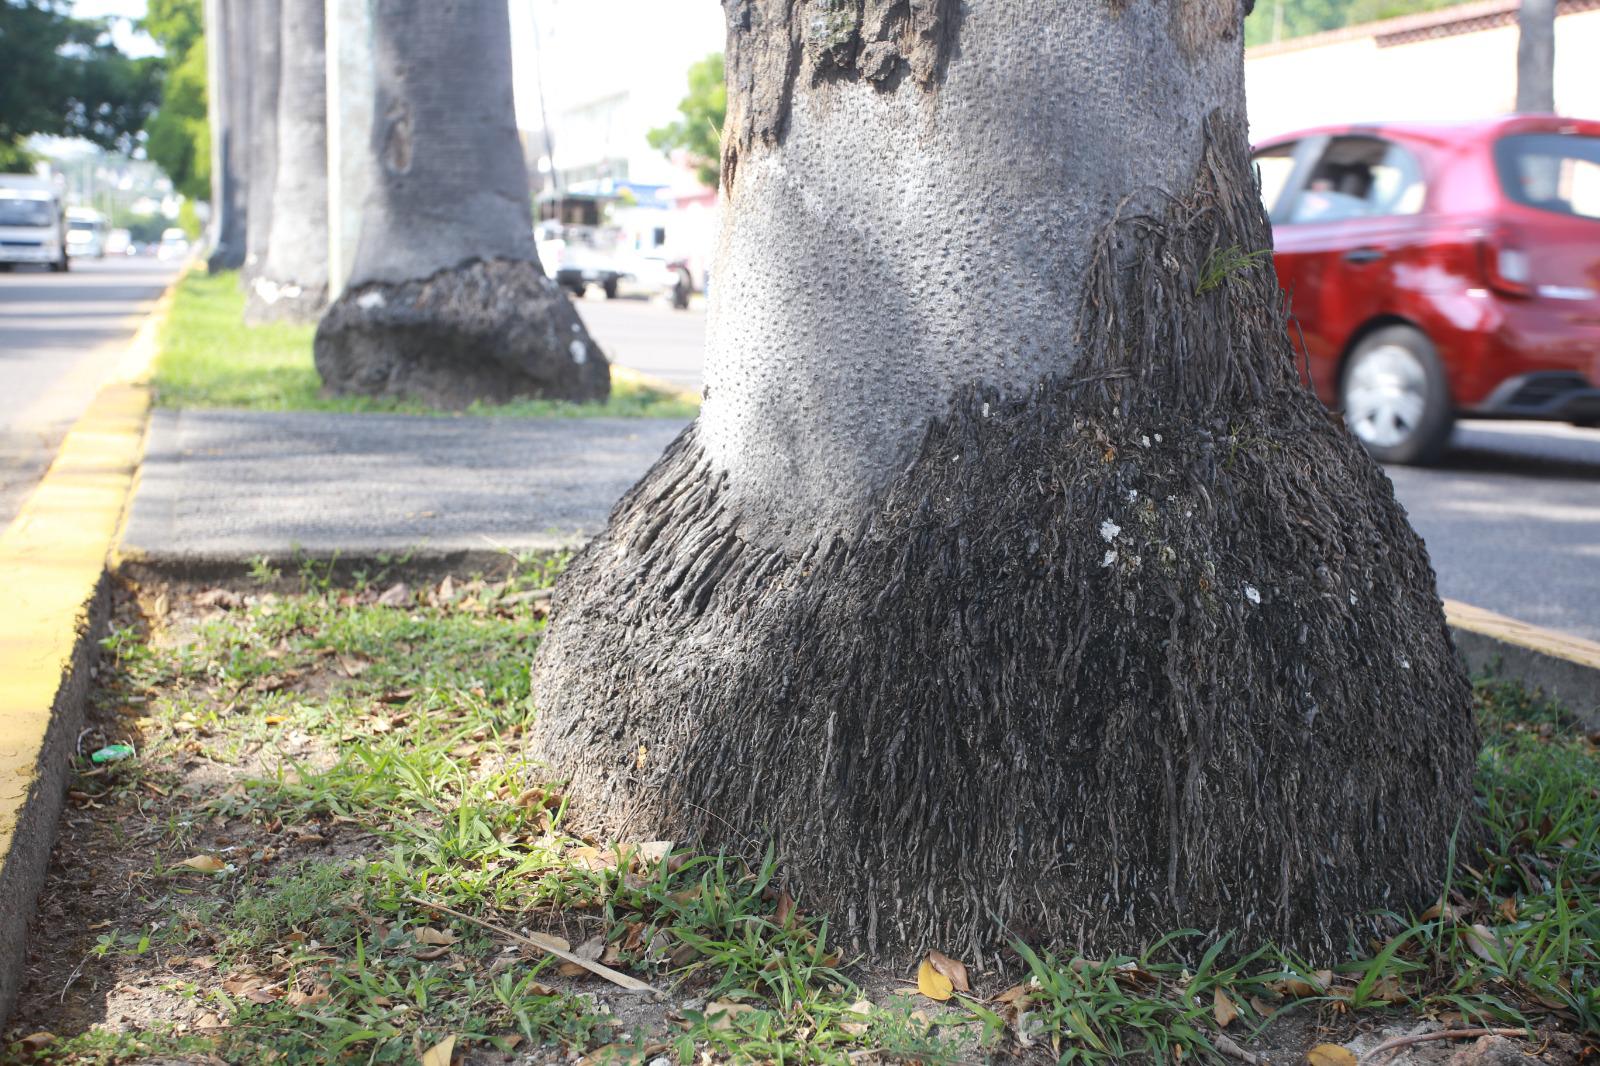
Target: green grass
point(393, 738)
point(209, 358)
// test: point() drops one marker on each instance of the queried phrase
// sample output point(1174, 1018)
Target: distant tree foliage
point(63, 76)
point(1276, 20)
point(180, 131)
point(699, 132)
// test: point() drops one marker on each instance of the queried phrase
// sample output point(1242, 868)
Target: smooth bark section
point(292, 283)
point(266, 62)
point(228, 42)
point(1010, 584)
point(1536, 56)
point(896, 246)
point(446, 248)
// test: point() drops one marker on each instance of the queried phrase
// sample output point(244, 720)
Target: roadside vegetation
point(328, 845)
point(209, 358)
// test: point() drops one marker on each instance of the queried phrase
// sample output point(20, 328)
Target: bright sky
point(134, 44)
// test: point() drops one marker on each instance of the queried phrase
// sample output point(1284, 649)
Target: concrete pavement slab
point(225, 486)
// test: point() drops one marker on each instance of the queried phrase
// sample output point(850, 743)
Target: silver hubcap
point(1386, 395)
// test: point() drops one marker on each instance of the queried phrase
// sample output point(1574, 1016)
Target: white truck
point(33, 224)
point(86, 233)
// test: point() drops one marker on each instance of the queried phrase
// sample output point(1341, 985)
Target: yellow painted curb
point(54, 555)
point(629, 376)
point(1565, 646)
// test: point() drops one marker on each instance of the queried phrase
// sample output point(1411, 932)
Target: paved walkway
point(231, 485)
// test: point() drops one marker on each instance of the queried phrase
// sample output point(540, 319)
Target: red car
point(1442, 270)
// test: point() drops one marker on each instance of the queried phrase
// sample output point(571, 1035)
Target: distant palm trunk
point(446, 300)
point(1536, 56)
point(266, 60)
point(227, 27)
point(292, 282)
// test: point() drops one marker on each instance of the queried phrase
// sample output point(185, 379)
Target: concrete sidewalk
point(220, 487)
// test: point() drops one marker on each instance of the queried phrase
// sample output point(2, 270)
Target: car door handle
point(1363, 255)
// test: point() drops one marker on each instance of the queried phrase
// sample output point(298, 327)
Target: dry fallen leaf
point(859, 1016)
point(427, 934)
point(36, 1041)
point(950, 968)
point(1222, 1008)
point(206, 864)
point(1330, 1055)
point(652, 851)
point(932, 983)
point(440, 1053)
point(723, 1011)
point(1484, 942)
point(1298, 989)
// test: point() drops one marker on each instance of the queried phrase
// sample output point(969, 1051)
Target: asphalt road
point(59, 335)
point(1512, 521)
point(648, 335)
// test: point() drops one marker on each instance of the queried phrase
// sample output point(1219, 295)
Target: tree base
point(268, 301)
point(1078, 680)
point(1151, 647)
point(485, 331)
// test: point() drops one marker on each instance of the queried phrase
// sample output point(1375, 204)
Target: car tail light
point(1507, 267)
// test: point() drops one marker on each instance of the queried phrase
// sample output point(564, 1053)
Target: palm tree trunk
point(266, 59)
point(446, 301)
point(292, 282)
point(1009, 581)
point(227, 30)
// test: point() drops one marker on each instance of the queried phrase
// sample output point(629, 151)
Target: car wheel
point(611, 289)
point(1395, 397)
point(576, 290)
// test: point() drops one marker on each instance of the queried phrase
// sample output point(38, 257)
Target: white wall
point(1464, 76)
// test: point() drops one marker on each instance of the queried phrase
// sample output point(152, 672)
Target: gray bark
point(228, 36)
point(1010, 584)
point(449, 209)
point(913, 244)
point(292, 282)
point(266, 65)
point(1536, 56)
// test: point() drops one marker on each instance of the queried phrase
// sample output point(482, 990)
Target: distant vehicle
point(577, 256)
point(1442, 270)
point(32, 224)
point(119, 242)
point(86, 232)
point(174, 244)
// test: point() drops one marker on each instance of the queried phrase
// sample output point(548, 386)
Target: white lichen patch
point(1109, 530)
point(1252, 594)
point(368, 300)
point(580, 352)
point(1144, 442)
point(1133, 495)
point(1109, 558)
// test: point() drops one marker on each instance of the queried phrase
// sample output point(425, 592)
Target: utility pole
point(1536, 56)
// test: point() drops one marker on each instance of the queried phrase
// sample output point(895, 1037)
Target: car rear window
point(1556, 172)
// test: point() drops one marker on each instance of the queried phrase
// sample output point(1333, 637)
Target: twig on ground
point(543, 943)
point(1397, 1042)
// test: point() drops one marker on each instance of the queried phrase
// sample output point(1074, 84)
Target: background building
point(1454, 63)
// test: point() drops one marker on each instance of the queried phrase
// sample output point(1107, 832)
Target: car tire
point(576, 290)
point(610, 288)
point(1395, 397)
